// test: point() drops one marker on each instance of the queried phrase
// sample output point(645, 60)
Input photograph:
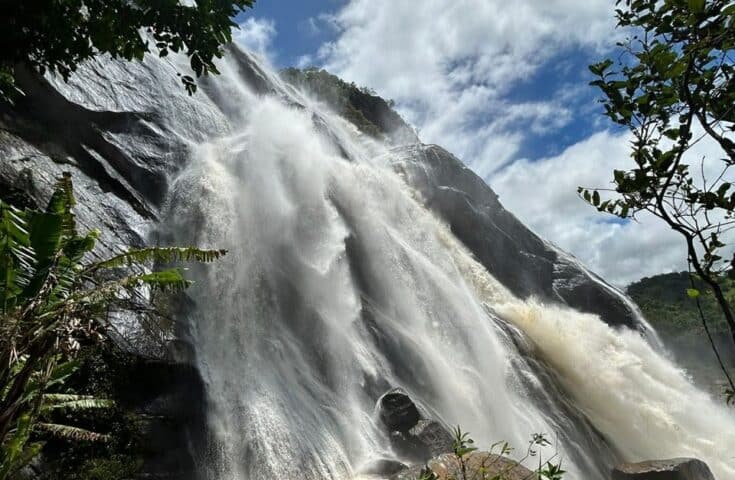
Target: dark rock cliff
point(525, 263)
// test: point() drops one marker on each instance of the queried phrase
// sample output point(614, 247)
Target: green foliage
point(462, 444)
point(360, 106)
point(670, 304)
point(116, 468)
point(494, 464)
point(53, 300)
point(58, 35)
point(672, 85)
point(667, 302)
point(104, 372)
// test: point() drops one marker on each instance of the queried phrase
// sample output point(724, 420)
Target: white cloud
point(318, 24)
point(304, 61)
point(543, 194)
point(449, 65)
point(256, 35)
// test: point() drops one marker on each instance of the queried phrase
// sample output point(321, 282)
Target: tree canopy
point(57, 35)
point(672, 85)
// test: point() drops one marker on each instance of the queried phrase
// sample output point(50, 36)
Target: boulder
point(412, 436)
point(383, 467)
point(397, 411)
point(432, 436)
point(478, 465)
point(672, 469)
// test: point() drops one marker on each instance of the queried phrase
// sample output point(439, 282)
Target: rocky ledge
point(672, 469)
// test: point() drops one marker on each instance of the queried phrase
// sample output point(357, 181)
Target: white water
point(339, 284)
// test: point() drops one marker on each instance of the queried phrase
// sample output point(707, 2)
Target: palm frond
point(171, 280)
point(107, 292)
point(62, 202)
point(160, 254)
point(14, 452)
point(57, 376)
point(68, 432)
point(65, 401)
point(17, 259)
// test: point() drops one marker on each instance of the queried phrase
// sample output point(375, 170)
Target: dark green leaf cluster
point(58, 35)
point(53, 300)
point(675, 75)
point(672, 86)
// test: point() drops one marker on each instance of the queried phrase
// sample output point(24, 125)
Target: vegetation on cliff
point(54, 300)
point(360, 106)
point(666, 304)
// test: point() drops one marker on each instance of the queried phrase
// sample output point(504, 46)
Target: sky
point(501, 84)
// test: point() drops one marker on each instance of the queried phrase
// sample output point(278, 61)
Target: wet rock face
point(397, 411)
point(672, 469)
point(383, 467)
point(523, 262)
point(411, 434)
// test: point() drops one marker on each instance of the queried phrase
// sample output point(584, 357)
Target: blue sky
point(502, 85)
point(293, 19)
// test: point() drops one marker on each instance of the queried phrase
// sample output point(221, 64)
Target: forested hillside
point(665, 303)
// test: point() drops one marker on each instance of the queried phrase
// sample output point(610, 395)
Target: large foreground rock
point(397, 411)
point(672, 469)
point(479, 466)
point(412, 435)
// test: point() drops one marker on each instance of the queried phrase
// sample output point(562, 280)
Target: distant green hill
point(664, 302)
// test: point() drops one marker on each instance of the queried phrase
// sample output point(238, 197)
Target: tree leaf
point(692, 293)
point(696, 6)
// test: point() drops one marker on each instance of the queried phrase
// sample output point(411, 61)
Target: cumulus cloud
point(255, 35)
point(543, 194)
point(450, 65)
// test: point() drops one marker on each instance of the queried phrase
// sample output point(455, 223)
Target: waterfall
point(340, 283)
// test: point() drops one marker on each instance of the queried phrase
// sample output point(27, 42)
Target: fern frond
point(68, 432)
point(160, 254)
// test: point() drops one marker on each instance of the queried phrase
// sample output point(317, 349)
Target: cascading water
point(340, 284)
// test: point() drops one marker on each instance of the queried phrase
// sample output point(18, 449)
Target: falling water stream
point(340, 284)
